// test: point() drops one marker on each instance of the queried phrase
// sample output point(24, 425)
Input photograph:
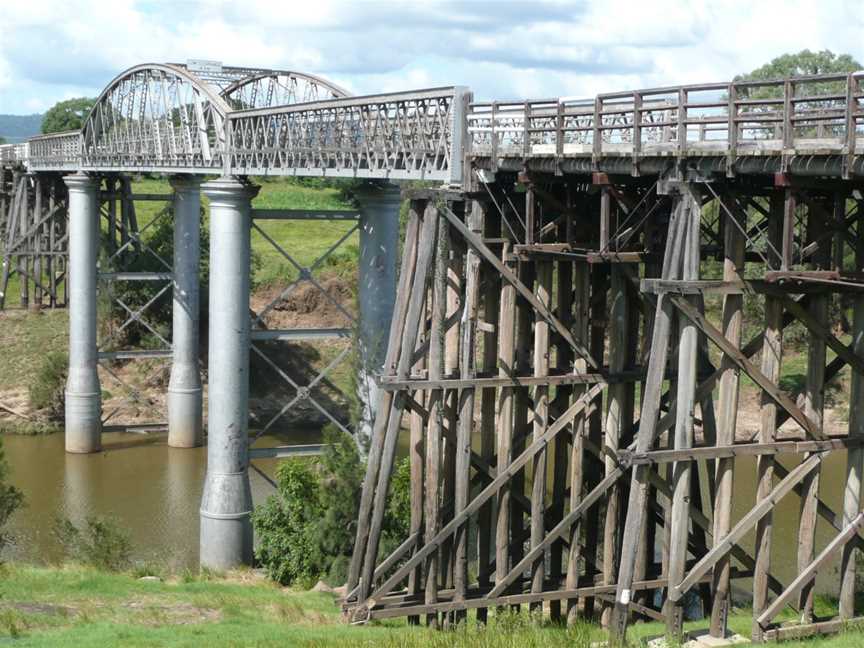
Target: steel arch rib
point(215, 98)
point(337, 91)
point(144, 134)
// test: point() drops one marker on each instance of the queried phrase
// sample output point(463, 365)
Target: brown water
point(784, 556)
point(154, 491)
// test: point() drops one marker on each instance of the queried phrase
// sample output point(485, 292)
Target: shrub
point(100, 542)
point(11, 498)
point(306, 531)
point(47, 390)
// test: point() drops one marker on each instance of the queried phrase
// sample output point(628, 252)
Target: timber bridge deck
point(573, 408)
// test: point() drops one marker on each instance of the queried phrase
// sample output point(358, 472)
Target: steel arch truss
point(155, 117)
point(271, 88)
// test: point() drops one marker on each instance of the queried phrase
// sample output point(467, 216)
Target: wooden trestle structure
point(572, 404)
point(33, 239)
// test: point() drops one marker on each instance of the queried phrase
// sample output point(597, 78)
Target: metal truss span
point(188, 119)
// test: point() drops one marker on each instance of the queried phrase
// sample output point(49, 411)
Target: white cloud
point(53, 49)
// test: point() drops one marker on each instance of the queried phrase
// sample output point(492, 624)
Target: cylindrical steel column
point(379, 250)
point(226, 505)
point(184, 389)
point(83, 393)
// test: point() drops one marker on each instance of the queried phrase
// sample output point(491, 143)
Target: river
point(154, 492)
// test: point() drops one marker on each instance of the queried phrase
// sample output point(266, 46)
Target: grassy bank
point(75, 606)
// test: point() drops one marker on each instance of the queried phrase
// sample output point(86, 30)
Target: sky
point(58, 49)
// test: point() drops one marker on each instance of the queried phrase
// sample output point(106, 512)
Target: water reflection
point(152, 490)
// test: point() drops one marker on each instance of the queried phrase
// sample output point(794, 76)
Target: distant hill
point(16, 128)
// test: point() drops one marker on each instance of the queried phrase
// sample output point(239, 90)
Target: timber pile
point(530, 314)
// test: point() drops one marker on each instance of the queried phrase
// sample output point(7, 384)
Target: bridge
point(554, 262)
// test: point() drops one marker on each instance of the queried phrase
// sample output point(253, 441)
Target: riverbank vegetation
point(305, 531)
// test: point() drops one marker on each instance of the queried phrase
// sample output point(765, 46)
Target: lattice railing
point(410, 135)
point(55, 151)
point(13, 153)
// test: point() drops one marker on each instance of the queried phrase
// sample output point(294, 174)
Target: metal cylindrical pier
point(184, 390)
point(379, 249)
point(83, 393)
point(226, 504)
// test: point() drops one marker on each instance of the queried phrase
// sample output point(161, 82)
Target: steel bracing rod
point(504, 218)
point(303, 392)
point(135, 316)
point(135, 238)
point(305, 273)
point(735, 222)
point(132, 393)
point(619, 230)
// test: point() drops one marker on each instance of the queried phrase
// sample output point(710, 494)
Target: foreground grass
point(76, 606)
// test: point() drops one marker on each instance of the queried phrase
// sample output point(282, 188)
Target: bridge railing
point(57, 151)
point(410, 135)
point(821, 114)
point(13, 153)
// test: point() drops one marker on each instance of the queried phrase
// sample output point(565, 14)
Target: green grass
point(26, 339)
point(76, 606)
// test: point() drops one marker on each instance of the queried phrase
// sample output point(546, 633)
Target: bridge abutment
point(226, 505)
point(83, 392)
point(184, 390)
point(379, 248)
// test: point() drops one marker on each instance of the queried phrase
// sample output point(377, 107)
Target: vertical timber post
point(733, 270)
point(772, 353)
point(855, 458)
point(686, 386)
point(83, 392)
point(814, 406)
point(504, 410)
point(379, 248)
point(617, 424)
point(184, 389)
point(226, 504)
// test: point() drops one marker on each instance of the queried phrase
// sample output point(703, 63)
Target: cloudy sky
point(57, 49)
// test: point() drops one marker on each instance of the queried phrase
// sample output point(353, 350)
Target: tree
point(803, 63)
point(2, 140)
point(67, 115)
